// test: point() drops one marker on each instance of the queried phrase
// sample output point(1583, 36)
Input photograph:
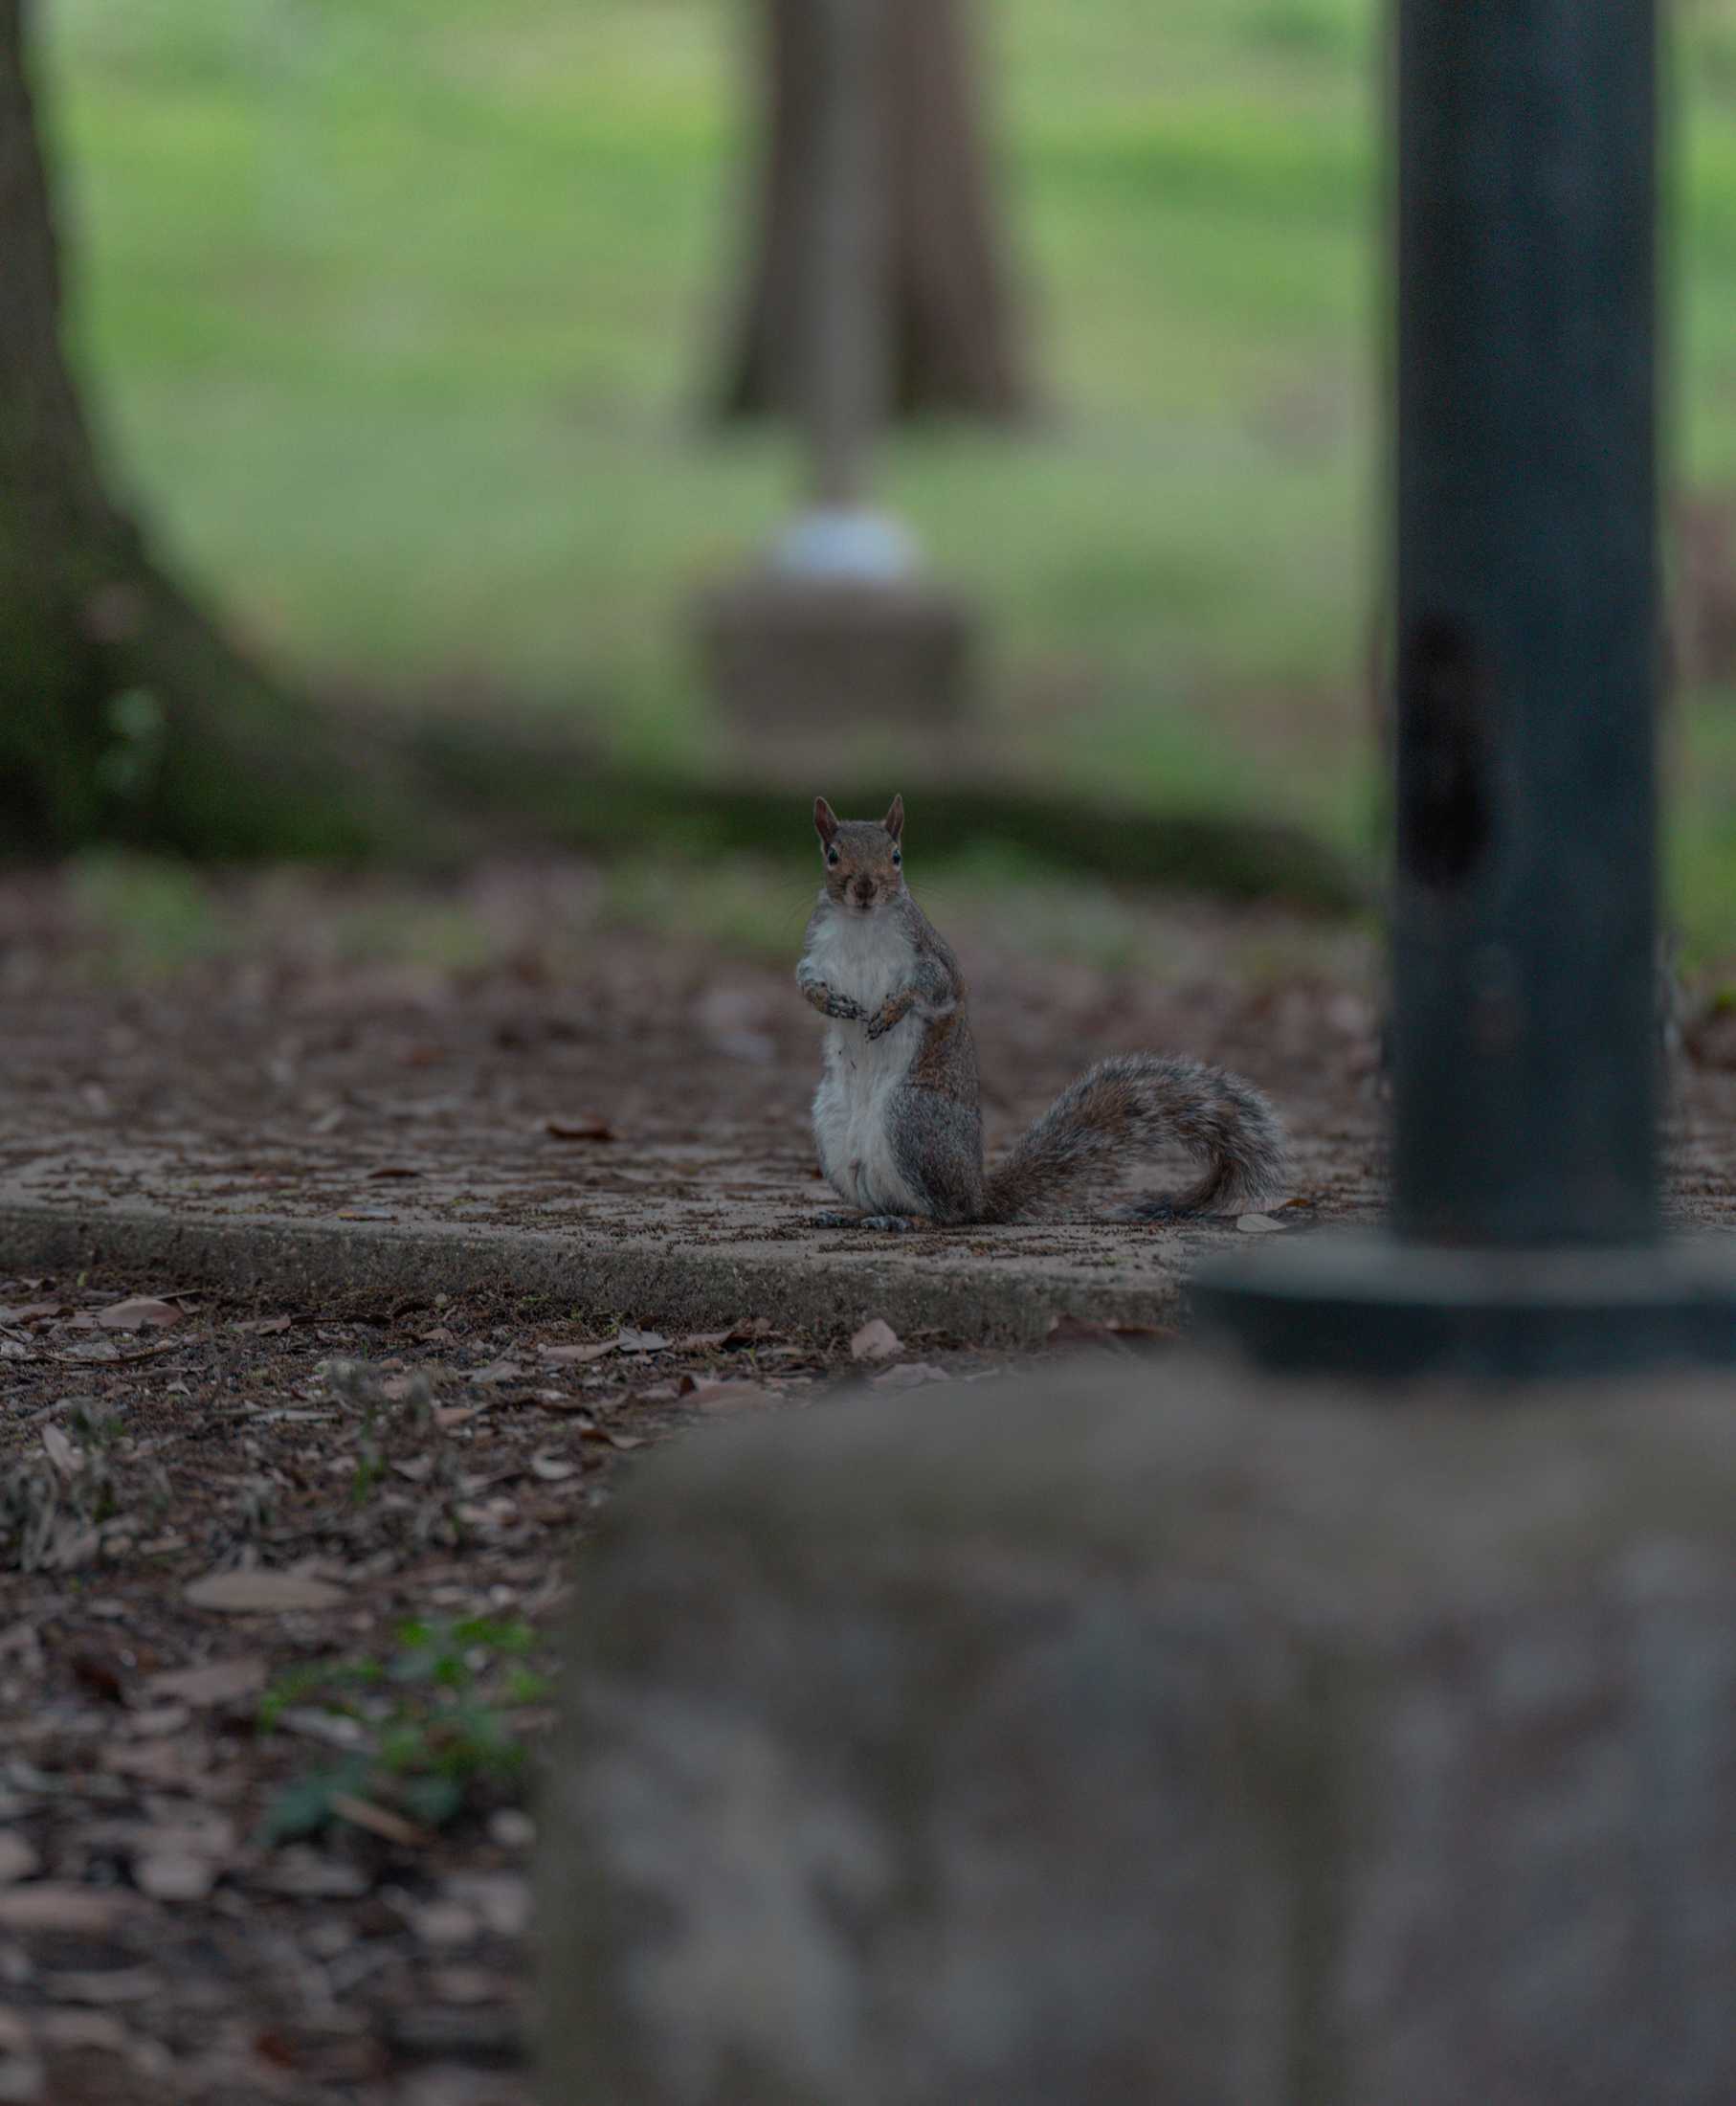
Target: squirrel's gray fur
point(897, 1115)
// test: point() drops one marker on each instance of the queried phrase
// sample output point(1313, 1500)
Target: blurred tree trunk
point(953, 334)
point(123, 712)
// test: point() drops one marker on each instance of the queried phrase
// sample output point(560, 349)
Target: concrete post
point(1155, 1734)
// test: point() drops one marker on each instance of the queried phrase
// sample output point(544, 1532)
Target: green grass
point(401, 308)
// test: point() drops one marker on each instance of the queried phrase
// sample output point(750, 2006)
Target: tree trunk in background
point(954, 335)
point(122, 712)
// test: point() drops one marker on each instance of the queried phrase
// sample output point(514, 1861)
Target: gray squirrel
point(897, 1117)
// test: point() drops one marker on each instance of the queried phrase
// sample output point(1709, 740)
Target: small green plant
point(438, 1730)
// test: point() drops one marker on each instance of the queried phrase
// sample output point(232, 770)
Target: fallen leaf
point(1067, 1330)
point(876, 1340)
point(65, 1455)
point(260, 1326)
point(104, 1986)
point(381, 1821)
point(309, 1876)
point(578, 1356)
point(81, 1911)
point(142, 1312)
point(157, 1721)
point(499, 1371)
point(641, 1341)
point(721, 1396)
point(18, 1859)
point(912, 1375)
point(738, 1334)
point(553, 1469)
point(176, 1876)
point(216, 1682)
point(32, 1312)
point(442, 1924)
point(1259, 1224)
point(502, 1900)
point(449, 1416)
point(585, 1126)
point(261, 1593)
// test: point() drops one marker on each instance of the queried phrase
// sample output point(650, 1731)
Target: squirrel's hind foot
point(889, 1224)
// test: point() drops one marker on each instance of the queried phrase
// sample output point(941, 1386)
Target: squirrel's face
point(863, 859)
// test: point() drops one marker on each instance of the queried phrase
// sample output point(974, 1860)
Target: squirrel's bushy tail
point(1096, 1130)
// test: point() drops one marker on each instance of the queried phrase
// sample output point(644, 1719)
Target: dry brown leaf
point(1068, 1330)
point(912, 1375)
point(18, 1859)
point(65, 1455)
point(448, 1417)
point(381, 1821)
point(876, 1340)
point(583, 1127)
point(641, 1341)
point(174, 1875)
point(81, 1911)
point(309, 1875)
point(262, 1327)
point(33, 1312)
point(142, 1312)
point(216, 1682)
point(721, 1396)
point(261, 1593)
point(739, 1333)
point(104, 1986)
point(554, 1470)
point(499, 1371)
point(578, 1356)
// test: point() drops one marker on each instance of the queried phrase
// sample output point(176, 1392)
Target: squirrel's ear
point(894, 821)
point(825, 822)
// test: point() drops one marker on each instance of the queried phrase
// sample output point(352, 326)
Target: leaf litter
point(286, 1585)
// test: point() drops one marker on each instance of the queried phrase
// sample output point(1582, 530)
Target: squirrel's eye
point(832, 857)
point(898, 858)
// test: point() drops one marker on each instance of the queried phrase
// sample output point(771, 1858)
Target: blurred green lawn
point(401, 310)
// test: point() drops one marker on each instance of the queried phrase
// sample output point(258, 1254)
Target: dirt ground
point(281, 1576)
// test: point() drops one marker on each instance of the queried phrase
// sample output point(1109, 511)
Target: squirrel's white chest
point(864, 956)
point(867, 960)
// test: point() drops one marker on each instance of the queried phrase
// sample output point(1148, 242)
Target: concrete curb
point(673, 1286)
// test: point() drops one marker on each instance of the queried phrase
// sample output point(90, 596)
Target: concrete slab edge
point(588, 1278)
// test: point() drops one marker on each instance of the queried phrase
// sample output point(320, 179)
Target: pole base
point(1369, 1305)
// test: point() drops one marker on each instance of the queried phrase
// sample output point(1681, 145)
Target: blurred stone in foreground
point(1152, 1735)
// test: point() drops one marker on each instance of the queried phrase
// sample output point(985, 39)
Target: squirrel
point(897, 1115)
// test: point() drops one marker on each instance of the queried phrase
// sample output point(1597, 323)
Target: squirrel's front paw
point(885, 1019)
point(829, 1003)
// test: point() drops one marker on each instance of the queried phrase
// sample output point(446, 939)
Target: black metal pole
point(1525, 1048)
point(1525, 914)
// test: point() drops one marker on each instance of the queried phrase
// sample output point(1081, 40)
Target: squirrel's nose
point(864, 889)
